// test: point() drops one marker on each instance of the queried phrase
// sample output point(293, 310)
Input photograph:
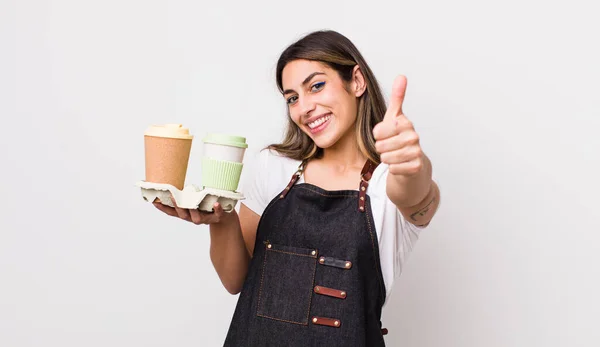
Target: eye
point(291, 99)
point(317, 86)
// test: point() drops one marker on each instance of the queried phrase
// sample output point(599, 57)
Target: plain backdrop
point(505, 96)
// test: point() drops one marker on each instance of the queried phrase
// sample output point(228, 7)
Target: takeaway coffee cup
point(222, 161)
point(167, 151)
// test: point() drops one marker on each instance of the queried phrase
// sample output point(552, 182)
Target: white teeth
point(318, 122)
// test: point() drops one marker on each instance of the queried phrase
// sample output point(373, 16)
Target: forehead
point(296, 71)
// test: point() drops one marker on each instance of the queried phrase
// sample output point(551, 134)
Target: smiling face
point(322, 104)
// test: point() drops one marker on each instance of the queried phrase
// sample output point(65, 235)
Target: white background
point(505, 96)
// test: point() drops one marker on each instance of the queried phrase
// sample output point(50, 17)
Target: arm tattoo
point(422, 212)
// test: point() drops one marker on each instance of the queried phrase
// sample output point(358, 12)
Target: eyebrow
point(306, 80)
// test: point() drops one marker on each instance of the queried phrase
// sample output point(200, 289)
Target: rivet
point(269, 246)
point(313, 252)
point(363, 189)
point(317, 289)
point(362, 198)
point(343, 293)
point(287, 188)
point(314, 320)
point(362, 208)
point(336, 323)
point(348, 265)
point(321, 260)
point(281, 196)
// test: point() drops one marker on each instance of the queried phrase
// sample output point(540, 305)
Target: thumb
point(218, 209)
point(397, 97)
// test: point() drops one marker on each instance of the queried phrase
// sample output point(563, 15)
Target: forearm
point(228, 252)
point(416, 196)
point(407, 191)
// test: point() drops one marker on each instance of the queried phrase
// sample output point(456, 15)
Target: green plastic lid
point(226, 140)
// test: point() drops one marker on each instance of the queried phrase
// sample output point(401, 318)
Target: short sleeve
point(255, 189)
point(397, 236)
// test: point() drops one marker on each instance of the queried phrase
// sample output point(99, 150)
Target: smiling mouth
point(314, 124)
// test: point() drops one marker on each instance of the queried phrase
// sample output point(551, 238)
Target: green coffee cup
point(222, 161)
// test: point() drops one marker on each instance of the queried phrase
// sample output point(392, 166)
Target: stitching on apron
point(282, 320)
point(262, 276)
point(298, 254)
point(261, 287)
point(329, 195)
point(311, 293)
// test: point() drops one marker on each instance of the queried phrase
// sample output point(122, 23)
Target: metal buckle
point(362, 178)
point(301, 168)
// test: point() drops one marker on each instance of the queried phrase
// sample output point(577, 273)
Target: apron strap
point(294, 179)
point(365, 175)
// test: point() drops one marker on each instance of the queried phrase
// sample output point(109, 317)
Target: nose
point(306, 105)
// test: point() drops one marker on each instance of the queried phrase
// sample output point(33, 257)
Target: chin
point(325, 141)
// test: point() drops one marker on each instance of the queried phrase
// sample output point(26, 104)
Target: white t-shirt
point(272, 172)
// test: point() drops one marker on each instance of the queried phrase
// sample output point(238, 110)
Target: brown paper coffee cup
point(167, 151)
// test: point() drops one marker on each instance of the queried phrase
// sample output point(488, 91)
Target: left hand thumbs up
point(397, 142)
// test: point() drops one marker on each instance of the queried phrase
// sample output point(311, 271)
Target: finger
point(182, 213)
point(385, 129)
point(392, 126)
point(197, 216)
point(218, 210)
point(402, 155)
point(390, 144)
point(166, 209)
point(210, 217)
point(398, 93)
point(408, 168)
point(404, 138)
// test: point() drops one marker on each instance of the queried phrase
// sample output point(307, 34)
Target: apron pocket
point(286, 284)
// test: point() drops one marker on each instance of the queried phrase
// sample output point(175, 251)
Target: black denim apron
point(315, 276)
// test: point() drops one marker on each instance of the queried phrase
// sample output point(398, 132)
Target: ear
point(359, 84)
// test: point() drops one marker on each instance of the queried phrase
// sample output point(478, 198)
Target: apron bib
point(315, 276)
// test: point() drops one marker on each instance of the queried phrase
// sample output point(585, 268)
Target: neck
point(345, 152)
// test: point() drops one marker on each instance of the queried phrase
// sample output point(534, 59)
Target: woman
point(331, 212)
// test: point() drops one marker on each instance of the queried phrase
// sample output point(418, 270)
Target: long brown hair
point(339, 53)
